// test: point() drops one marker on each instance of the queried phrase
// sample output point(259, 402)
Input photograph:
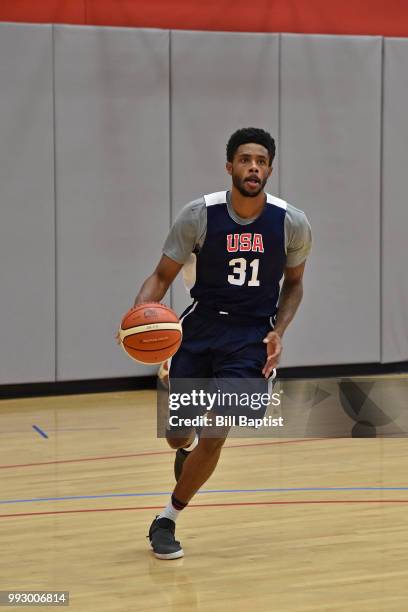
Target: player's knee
point(211, 445)
point(178, 441)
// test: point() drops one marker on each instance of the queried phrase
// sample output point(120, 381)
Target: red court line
point(220, 505)
point(149, 453)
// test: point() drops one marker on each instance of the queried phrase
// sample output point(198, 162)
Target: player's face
point(250, 169)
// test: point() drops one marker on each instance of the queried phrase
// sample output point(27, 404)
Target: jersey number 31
point(239, 272)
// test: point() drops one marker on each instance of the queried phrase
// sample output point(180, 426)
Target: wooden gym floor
point(284, 525)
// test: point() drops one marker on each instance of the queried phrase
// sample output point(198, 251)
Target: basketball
point(150, 333)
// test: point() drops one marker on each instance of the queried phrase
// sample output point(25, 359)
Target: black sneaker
point(180, 458)
point(162, 540)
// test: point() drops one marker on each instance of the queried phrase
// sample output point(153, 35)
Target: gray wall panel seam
point(381, 194)
point(55, 207)
point(279, 147)
point(170, 94)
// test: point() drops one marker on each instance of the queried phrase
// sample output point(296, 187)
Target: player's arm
point(290, 297)
point(298, 240)
point(155, 286)
point(177, 248)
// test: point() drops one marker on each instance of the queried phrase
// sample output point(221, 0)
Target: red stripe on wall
point(373, 17)
point(43, 11)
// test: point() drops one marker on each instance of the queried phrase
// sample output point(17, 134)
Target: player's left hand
point(274, 350)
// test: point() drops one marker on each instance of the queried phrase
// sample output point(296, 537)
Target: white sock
point(169, 512)
point(193, 444)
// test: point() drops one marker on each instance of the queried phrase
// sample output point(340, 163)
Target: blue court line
point(40, 431)
point(159, 493)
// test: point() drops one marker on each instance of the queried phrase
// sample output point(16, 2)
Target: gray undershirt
point(190, 227)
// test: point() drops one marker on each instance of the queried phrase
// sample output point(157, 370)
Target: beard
point(240, 185)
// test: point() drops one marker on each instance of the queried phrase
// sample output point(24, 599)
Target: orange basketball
point(150, 333)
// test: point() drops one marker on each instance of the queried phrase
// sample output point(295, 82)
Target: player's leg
point(182, 439)
point(188, 368)
point(195, 469)
point(198, 466)
point(242, 357)
point(237, 370)
point(183, 444)
point(190, 362)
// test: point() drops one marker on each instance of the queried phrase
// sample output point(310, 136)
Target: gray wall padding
point(220, 81)
point(330, 168)
point(136, 122)
point(112, 177)
point(27, 270)
point(395, 205)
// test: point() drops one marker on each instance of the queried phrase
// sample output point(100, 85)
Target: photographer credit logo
point(366, 407)
point(222, 409)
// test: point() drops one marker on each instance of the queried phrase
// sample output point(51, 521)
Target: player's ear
point(228, 166)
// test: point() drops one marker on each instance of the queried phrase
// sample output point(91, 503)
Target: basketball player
point(242, 242)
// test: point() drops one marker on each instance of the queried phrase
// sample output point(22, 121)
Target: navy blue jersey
point(239, 267)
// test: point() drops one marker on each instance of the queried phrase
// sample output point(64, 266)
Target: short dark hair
point(251, 134)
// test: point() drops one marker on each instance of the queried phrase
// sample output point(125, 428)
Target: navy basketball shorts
point(220, 357)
